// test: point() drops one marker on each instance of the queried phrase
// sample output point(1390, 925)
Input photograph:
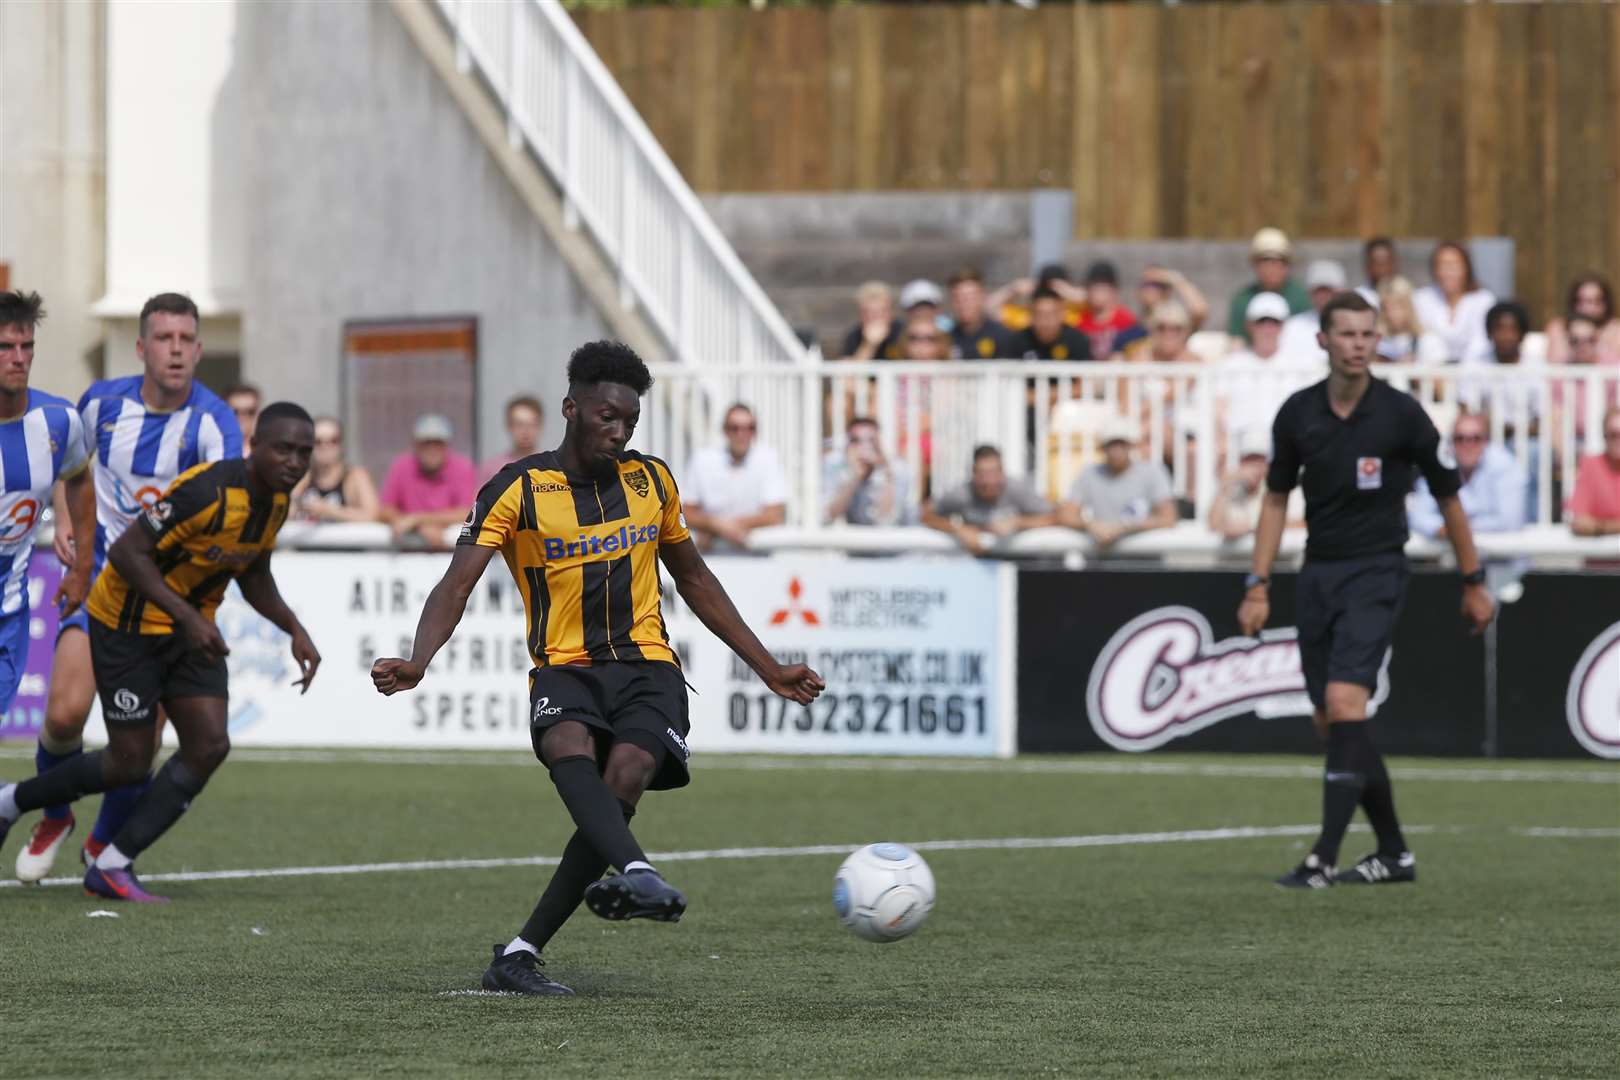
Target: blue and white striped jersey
point(44, 443)
point(139, 451)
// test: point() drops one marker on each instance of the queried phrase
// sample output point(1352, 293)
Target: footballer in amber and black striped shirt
point(582, 529)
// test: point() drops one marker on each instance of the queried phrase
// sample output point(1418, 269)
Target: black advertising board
point(1558, 667)
point(1136, 660)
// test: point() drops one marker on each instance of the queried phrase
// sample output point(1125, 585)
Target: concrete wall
point(52, 168)
point(368, 195)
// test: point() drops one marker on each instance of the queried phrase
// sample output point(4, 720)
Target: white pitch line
point(1562, 832)
point(1035, 765)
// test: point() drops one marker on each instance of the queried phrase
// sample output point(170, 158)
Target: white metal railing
point(616, 181)
point(1044, 416)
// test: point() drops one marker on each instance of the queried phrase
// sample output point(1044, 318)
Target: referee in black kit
point(1358, 442)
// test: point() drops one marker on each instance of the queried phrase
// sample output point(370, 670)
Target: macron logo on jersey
point(626, 538)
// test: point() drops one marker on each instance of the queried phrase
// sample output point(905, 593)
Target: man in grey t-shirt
point(987, 507)
point(1120, 495)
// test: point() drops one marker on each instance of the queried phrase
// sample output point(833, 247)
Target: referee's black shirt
point(1357, 471)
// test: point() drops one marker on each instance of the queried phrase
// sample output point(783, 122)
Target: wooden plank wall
point(1202, 120)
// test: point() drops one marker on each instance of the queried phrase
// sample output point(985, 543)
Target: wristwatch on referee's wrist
point(1476, 578)
point(1251, 580)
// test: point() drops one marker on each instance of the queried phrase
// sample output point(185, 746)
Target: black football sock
point(1378, 800)
point(580, 866)
point(78, 776)
point(169, 795)
point(595, 810)
point(1343, 781)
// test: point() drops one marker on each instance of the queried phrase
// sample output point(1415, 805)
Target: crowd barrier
point(926, 655)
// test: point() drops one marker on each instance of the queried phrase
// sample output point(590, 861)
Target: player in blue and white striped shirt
point(140, 432)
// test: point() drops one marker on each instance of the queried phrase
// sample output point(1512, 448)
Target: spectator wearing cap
point(1119, 495)
point(1159, 284)
point(1235, 511)
point(988, 507)
point(1495, 489)
point(1323, 278)
point(975, 335)
point(1108, 324)
point(429, 487)
point(1454, 307)
point(1379, 263)
point(1594, 508)
point(863, 485)
point(1048, 336)
point(734, 487)
point(1272, 256)
point(1590, 297)
point(877, 335)
point(1255, 381)
point(1014, 301)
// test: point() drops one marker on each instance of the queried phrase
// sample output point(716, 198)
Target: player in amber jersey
point(153, 640)
point(582, 529)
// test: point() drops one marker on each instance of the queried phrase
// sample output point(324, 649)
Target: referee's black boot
point(1381, 870)
point(519, 973)
point(640, 894)
point(1313, 873)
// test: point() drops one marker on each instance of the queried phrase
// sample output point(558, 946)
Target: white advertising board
point(916, 653)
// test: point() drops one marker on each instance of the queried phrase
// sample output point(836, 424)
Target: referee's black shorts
point(136, 672)
point(641, 702)
point(1346, 611)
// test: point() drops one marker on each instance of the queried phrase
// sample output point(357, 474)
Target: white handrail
point(615, 179)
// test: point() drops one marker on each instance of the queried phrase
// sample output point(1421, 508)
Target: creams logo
point(1592, 703)
point(1163, 676)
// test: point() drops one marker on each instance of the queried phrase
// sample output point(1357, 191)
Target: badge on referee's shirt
point(1369, 473)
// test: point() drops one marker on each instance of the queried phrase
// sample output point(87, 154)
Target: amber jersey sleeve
point(208, 528)
point(583, 551)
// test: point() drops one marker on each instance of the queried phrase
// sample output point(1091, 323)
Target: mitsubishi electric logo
point(1163, 676)
point(795, 609)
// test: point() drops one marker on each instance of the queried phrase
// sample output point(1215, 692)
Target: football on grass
point(883, 892)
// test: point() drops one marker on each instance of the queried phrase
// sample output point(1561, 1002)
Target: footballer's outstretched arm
point(440, 615)
point(707, 598)
point(259, 589)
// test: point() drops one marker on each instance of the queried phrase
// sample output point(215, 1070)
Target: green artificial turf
point(1128, 959)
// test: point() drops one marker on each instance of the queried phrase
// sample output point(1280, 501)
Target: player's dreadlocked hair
point(21, 309)
point(607, 362)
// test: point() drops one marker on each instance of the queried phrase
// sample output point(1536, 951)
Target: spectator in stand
point(1256, 381)
point(1401, 335)
point(1119, 496)
point(1495, 489)
point(1323, 278)
point(975, 335)
point(1379, 263)
point(1582, 334)
point(1454, 306)
point(1589, 297)
point(1235, 512)
point(525, 420)
point(732, 488)
point(922, 339)
point(1159, 284)
point(429, 487)
point(921, 299)
point(1594, 508)
point(1048, 336)
point(243, 398)
point(1014, 302)
point(333, 490)
point(1107, 323)
point(877, 335)
point(1272, 256)
point(1170, 329)
point(988, 507)
point(863, 486)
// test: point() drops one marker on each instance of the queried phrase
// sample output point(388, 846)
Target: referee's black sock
point(1343, 781)
point(169, 795)
point(595, 810)
point(73, 779)
point(580, 866)
point(1379, 802)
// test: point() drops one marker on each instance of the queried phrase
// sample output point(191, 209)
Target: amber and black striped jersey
point(209, 529)
point(584, 554)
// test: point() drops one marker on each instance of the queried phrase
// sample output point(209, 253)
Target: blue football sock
point(116, 807)
point(44, 762)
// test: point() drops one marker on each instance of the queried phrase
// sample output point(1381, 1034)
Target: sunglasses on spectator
point(922, 337)
point(1468, 438)
point(733, 426)
point(1584, 339)
point(1168, 328)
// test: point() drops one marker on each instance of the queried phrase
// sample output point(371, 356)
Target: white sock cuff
point(517, 944)
point(112, 859)
point(637, 865)
point(8, 803)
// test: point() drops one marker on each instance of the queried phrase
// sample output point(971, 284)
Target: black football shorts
point(1346, 610)
point(641, 702)
point(136, 672)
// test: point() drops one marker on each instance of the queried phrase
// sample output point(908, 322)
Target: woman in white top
point(1454, 307)
point(1402, 337)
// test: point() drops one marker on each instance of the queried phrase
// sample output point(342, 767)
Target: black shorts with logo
point(1346, 610)
point(641, 702)
point(136, 672)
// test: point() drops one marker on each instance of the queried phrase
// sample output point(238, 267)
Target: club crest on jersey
point(1369, 473)
point(637, 480)
point(159, 513)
